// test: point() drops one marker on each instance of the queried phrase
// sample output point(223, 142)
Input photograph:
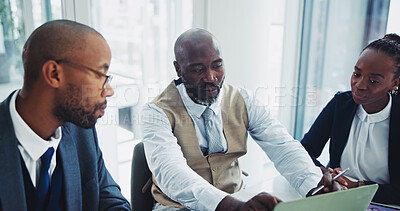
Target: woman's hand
point(344, 181)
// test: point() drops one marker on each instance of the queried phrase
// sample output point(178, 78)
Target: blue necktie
point(44, 178)
point(213, 136)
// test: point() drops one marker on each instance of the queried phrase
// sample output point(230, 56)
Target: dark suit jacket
point(334, 123)
point(87, 183)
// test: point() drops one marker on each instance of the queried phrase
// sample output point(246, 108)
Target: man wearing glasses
point(49, 154)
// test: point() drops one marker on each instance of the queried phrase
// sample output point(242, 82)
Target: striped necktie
point(212, 135)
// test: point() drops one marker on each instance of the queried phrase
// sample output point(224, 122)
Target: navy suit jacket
point(87, 185)
point(334, 123)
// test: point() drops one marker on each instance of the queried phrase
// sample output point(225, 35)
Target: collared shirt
point(366, 151)
point(178, 181)
point(32, 146)
point(195, 111)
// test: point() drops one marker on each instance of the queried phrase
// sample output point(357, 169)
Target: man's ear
point(177, 69)
point(51, 73)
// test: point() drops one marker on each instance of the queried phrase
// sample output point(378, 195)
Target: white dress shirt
point(366, 151)
point(179, 182)
point(32, 146)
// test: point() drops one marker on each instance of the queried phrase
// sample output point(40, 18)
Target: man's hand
point(329, 185)
point(262, 201)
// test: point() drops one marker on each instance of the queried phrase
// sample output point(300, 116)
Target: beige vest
point(219, 169)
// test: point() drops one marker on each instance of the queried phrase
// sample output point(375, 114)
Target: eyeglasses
point(73, 64)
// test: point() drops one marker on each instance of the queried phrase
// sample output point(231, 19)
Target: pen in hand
point(334, 178)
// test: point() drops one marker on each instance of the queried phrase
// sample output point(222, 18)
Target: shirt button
point(214, 168)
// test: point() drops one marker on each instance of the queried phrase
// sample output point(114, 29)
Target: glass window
point(334, 33)
point(16, 24)
point(45, 10)
point(141, 35)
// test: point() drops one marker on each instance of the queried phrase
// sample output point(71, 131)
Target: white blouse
point(366, 151)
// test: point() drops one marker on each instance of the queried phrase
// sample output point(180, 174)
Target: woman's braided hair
point(390, 45)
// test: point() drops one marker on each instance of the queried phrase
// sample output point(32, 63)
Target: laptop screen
point(351, 199)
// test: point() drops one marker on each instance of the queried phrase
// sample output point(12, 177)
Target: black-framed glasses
point(73, 64)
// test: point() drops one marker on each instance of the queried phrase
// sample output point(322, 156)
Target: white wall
point(243, 29)
point(252, 37)
point(393, 25)
point(260, 44)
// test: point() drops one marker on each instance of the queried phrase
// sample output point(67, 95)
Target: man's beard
point(198, 93)
point(71, 107)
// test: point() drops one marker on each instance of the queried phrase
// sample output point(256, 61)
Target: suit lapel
point(71, 172)
point(12, 191)
point(345, 113)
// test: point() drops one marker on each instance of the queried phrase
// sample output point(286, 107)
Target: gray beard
point(196, 99)
point(206, 102)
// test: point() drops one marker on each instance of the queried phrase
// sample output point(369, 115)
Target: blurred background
point(293, 54)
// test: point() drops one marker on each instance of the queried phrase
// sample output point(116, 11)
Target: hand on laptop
point(262, 201)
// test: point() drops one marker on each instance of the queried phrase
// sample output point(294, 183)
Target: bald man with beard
point(197, 128)
point(49, 153)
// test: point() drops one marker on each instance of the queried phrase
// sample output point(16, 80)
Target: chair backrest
point(140, 174)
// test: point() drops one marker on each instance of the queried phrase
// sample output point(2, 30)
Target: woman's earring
point(395, 90)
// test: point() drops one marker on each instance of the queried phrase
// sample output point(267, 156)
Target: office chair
point(140, 174)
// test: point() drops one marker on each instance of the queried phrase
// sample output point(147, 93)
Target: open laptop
point(382, 207)
point(356, 199)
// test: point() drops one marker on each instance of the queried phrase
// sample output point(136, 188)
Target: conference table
point(278, 186)
point(261, 176)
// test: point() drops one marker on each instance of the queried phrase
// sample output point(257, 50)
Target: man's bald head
point(199, 64)
point(192, 38)
point(54, 40)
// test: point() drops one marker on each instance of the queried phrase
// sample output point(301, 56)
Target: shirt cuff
point(309, 184)
point(209, 199)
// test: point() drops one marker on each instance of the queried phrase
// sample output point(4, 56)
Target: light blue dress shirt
point(179, 182)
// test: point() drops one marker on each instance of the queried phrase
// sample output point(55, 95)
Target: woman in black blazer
point(363, 124)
